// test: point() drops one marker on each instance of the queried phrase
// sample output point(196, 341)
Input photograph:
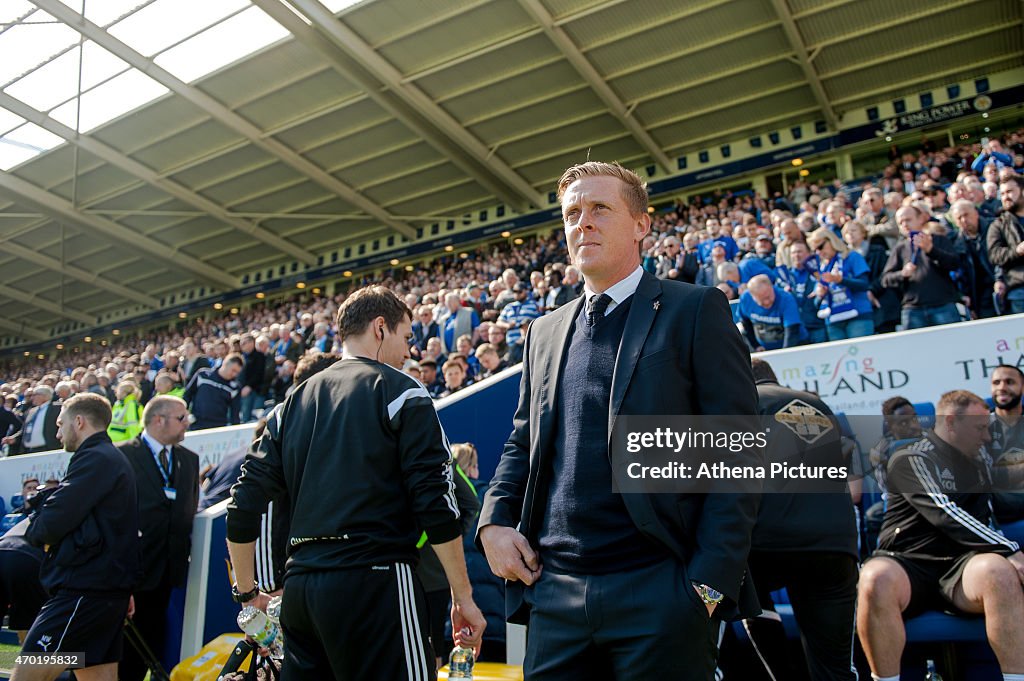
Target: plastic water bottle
point(255, 623)
point(460, 663)
point(274, 615)
point(932, 675)
point(274, 610)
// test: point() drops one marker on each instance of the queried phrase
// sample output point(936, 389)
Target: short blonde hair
point(160, 405)
point(815, 238)
point(465, 455)
point(634, 193)
point(93, 408)
point(484, 349)
point(957, 401)
point(856, 224)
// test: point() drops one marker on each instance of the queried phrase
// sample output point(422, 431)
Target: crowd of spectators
point(934, 238)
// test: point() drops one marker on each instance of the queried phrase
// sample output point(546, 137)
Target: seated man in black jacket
point(89, 527)
point(937, 548)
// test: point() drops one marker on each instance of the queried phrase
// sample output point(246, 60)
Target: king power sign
point(935, 114)
point(856, 376)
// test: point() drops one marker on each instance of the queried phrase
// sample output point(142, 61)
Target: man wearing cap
point(428, 375)
point(761, 261)
point(764, 250)
point(476, 296)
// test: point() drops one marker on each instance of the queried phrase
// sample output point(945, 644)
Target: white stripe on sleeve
point(954, 511)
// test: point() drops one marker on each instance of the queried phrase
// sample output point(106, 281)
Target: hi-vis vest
point(126, 419)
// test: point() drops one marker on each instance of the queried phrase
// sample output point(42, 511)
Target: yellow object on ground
point(206, 665)
point(490, 671)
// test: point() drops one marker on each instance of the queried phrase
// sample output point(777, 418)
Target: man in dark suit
point(39, 431)
point(618, 586)
point(708, 273)
point(194, 361)
point(423, 329)
point(675, 264)
point(9, 421)
point(167, 475)
point(559, 292)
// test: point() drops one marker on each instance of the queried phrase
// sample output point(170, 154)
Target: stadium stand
point(757, 231)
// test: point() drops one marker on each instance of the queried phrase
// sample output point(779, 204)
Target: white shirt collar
point(619, 291)
point(153, 445)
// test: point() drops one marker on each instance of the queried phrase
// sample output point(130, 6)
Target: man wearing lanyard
point(167, 476)
point(39, 434)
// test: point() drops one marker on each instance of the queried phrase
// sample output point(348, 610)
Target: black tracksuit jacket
point(360, 453)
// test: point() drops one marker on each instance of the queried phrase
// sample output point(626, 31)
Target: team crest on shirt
point(807, 422)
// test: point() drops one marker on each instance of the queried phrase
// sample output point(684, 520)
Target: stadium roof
point(216, 136)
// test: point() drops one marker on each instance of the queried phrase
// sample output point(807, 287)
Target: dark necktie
point(165, 464)
point(598, 304)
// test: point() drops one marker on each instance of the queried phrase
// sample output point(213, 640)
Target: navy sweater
point(586, 528)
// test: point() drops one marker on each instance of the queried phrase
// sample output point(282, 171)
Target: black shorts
point(21, 594)
point(933, 581)
point(356, 623)
point(91, 624)
point(439, 611)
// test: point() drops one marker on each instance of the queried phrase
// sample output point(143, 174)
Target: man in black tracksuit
point(215, 395)
point(430, 571)
point(805, 539)
point(937, 548)
point(360, 453)
point(90, 528)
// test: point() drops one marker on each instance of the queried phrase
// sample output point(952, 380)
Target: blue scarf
point(838, 305)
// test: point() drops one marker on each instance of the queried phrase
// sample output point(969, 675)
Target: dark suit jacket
point(49, 429)
point(707, 275)
point(566, 294)
point(685, 264)
point(421, 334)
point(9, 422)
point(166, 525)
point(254, 372)
point(680, 354)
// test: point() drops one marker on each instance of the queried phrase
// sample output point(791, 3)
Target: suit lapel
point(638, 324)
point(175, 466)
point(560, 337)
point(552, 355)
point(148, 463)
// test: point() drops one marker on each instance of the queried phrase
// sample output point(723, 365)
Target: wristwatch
point(707, 594)
point(241, 598)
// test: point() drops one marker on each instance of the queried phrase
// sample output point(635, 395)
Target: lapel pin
point(657, 304)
